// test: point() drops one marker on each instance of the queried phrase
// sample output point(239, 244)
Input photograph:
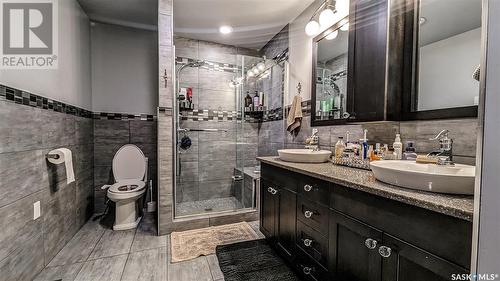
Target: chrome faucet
point(445, 152)
point(312, 142)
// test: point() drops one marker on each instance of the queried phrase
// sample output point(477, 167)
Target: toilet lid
point(127, 186)
point(129, 163)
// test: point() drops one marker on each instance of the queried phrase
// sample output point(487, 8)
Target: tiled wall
point(28, 133)
point(272, 135)
point(206, 168)
point(109, 136)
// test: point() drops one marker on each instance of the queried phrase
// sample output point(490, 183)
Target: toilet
point(130, 173)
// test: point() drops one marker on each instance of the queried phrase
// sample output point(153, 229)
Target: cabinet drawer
point(280, 177)
point(313, 243)
point(315, 190)
point(313, 215)
point(309, 268)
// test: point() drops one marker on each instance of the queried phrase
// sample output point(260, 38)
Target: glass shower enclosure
point(215, 148)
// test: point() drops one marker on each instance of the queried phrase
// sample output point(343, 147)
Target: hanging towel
point(294, 118)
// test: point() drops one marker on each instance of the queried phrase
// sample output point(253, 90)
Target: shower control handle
point(307, 242)
point(308, 187)
point(307, 270)
point(308, 214)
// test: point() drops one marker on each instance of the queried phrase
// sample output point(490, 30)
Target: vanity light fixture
point(225, 29)
point(330, 13)
point(312, 28)
point(261, 66)
point(327, 17)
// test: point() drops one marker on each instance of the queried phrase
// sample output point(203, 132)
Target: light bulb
point(250, 73)
point(327, 18)
point(225, 29)
point(312, 28)
point(255, 70)
point(345, 27)
point(332, 35)
point(342, 7)
point(261, 66)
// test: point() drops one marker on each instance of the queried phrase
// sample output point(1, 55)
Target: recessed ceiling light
point(225, 29)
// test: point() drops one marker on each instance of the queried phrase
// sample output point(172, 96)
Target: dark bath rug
point(253, 261)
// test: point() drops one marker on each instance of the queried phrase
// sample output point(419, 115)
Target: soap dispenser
point(398, 147)
point(410, 153)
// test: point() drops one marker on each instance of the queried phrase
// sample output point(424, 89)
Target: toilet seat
point(127, 186)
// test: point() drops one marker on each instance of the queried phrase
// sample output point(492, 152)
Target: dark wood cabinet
point(356, 236)
point(285, 236)
point(278, 217)
point(267, 210)
point(353, 250)
point(409, 263)
point(367, 60)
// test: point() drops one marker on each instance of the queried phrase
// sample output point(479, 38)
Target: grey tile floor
point(96, 254)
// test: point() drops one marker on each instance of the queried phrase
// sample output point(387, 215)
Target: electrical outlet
point(36, 210)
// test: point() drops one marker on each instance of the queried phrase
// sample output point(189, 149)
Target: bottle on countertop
point(364, 146)
point(410, 152)
point(398, 147)
point(339, 148)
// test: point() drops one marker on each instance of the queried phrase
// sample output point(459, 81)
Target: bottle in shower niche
point(256, 100)
point(339, 149)
point(248, 100)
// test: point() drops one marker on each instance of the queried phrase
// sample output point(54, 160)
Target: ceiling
point(255, 22)
point(133, 13)
point(446, 18)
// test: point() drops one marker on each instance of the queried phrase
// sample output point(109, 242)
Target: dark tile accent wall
point(109, 136)
point(29, 129)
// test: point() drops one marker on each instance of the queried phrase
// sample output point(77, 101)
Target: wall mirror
point(329, 87)
point(445, 56)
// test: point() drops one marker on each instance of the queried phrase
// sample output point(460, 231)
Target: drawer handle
point(272, 190)
point(384, 251)
point(307, 270)
point(308, 187)
point(370, 243)
point(308, 214)
point(307, 242)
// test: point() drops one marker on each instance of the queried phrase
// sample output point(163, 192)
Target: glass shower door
point(211, 145)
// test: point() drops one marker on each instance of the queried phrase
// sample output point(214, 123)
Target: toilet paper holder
point(54, 156)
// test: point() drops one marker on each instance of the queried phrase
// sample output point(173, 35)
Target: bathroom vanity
point(339, 223)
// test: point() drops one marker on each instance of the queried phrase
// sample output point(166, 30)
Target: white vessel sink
point(458, 179)
point(304, 155)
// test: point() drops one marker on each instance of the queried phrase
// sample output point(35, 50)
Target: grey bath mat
point(253, 261)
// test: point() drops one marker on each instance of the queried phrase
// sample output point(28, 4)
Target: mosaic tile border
point(209, 65)
point(122, 116)
point(13, 95)
point(17, 96)
point(225, 115)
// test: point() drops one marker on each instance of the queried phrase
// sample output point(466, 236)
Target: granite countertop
point(459, 206)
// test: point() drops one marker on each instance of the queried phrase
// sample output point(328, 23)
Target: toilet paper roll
point(65, 157)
